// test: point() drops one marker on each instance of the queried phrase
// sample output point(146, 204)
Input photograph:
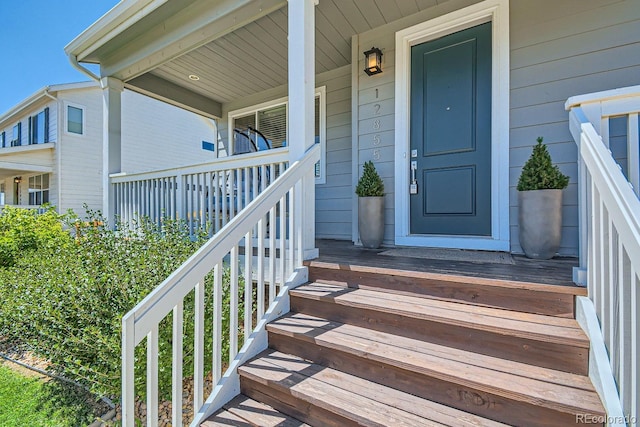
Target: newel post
point(111, 140)
point(301, 112)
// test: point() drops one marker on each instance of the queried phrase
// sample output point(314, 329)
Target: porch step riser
point(538, 299)
point(551, 355)
point(500, 408)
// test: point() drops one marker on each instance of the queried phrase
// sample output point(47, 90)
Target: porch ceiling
point(253, 58)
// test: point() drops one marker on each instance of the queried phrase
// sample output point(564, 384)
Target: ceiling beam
point(192, 27)
point(163, 90)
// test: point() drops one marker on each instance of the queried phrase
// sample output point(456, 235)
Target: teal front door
point(450, 147)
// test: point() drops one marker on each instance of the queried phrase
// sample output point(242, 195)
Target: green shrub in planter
point(370, 191)
point(540, 205)
point(539, 173)
point(370, 184)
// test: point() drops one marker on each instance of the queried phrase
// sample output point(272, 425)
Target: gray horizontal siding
point(558, 50)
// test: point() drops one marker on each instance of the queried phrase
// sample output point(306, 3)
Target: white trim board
point(496, 11)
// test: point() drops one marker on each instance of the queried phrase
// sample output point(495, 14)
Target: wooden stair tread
point(459, 355)
point(355, 399)
point(526, 389)
point(526, 325)
point(244, 411)
point(452, 278)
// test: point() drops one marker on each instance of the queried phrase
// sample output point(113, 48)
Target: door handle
point(413, 187)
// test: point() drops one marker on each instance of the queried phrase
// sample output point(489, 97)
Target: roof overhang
point(135, 37)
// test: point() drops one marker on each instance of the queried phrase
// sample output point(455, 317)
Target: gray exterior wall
point(561, 49)
point(334, 197)
point(558, 49)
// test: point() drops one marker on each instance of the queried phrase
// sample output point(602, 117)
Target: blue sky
point(33, 35)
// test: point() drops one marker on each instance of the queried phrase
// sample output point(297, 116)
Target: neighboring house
point(51, 144)
point(466, 88)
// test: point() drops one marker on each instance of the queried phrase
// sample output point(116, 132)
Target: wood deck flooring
point(556, 271)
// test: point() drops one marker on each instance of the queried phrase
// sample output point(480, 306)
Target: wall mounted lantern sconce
point(17, 179)
point(373, 61)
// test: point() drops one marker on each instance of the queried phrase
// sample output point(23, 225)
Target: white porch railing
point(208, 194)
point(198, 284)
point(610, 235)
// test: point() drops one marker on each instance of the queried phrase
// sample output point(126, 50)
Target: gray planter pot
point(540, 222)
point(371, 221)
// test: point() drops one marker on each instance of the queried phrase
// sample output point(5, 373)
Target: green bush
point(66, 302)
point(24, 230)
point(539, 173)
point(370, 184)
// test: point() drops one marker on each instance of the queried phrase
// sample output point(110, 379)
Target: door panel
point(451, 134)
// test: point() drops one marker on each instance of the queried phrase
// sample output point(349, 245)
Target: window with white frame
point(3, 139)
point(2, 194)
point(270, 118)
point(39, 127)
point(75, 119)
point(39, 189)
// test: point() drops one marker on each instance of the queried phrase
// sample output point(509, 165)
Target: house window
point(17, 135)
point(3, 142)
point(39, 189)
point(270, 119)
point(39, 127)
point(2, 194)
point(75, 120)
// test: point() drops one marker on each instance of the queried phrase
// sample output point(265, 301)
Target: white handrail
point(220, 252)
point(610, 232)
point(257, 158)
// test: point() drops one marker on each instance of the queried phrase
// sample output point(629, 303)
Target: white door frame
point(496, 11)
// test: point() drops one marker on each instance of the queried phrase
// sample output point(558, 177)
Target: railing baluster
point(217, 323)
point(232, 193)
point(283, 239)
point(152, 377)
point(217, 202)
point(176, 370)
point(225, 194)
point(233, 304)
point(247, 187)
point(248, 285)
point(292, 257)
point(198, 350)
point(272, 254)
point(210, 205)
point(260, 280)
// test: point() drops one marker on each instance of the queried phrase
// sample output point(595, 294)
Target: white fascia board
point(122, 16)
point(194, 26)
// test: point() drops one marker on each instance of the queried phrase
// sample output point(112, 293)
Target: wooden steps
point(367, 346)
point(328, 396)
point(438, 373)
point(552, 342)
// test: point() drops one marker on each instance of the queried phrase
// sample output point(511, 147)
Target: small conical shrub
point(539, 173)
point(370, 184)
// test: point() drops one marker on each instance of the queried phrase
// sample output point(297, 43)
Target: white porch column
point(111, 139)
point(301, 111)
